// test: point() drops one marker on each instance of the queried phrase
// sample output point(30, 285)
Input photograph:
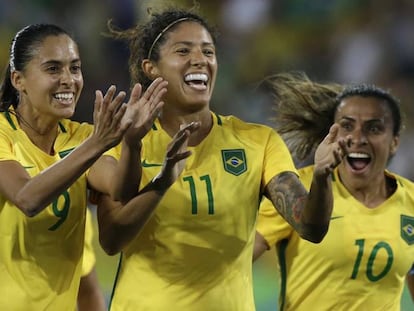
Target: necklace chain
point(21, 120)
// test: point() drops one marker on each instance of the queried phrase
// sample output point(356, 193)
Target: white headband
point(164, 31)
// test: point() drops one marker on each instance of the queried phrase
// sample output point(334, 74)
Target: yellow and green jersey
point(41, 256)
point(195, 251)
point(361, 263)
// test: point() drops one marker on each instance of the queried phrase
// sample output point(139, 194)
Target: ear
point(17, 80)
point(150, 69)
point(394, 145)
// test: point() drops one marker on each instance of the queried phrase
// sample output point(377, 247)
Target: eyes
point(374, 127)
point(57, 68)
point(207, 51)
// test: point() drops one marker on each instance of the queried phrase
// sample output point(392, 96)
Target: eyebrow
point(369, 120)
point(192, 43)
point(56, 62)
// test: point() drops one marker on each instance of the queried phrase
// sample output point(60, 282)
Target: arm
point(260, 246)
point(410, 283)
point(32, 194)
point(90, 296)
point(119, 224)
point(309, 213)
point(120, 179)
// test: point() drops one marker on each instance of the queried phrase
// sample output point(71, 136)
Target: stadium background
point(332, 40)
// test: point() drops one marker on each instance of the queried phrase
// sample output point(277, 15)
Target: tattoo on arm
point(288, 196)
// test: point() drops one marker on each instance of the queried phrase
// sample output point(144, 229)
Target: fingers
point(135, 94)
point(155, 87)
point(98, 104)
point(111, 103)
point(117, 119)
point(111, 108)
point(109, 111)
point(153, 95)
point(180, 140)
point(333, 133)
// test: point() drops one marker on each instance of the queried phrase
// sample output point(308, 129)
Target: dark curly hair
point(145, 39)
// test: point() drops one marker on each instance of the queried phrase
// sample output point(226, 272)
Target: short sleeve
point(114, 152)
point(270, 224)
point(277, 158)
point(6, 147)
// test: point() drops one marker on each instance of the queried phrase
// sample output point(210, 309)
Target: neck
point(373, 193)
point(171, 124)
point(41, 133)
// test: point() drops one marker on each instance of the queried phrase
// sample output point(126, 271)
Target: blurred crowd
point(342, 41)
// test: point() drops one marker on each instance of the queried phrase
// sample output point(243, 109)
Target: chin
point(67, 113)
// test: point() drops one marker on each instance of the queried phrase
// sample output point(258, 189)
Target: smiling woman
point(193, 250)
point(44, 161)
point(369, 249)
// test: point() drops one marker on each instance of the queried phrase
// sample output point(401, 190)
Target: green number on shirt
point(193, 193)
point(371, 259)
point(62, 214)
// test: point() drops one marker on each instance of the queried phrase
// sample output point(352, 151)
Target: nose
point(67, 77)
point(359, 137)
point(198, 58)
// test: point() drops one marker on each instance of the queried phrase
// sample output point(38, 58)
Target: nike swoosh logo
point(146, 164)
point(27, 167)
point(336, 217)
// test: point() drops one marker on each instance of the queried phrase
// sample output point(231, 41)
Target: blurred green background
point(332, 40)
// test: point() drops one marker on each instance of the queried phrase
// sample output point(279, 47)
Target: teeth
point(64, 96)
point(358, 155)
point(196, 77)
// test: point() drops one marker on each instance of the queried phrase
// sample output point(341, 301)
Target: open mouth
point(197, 80)
point(358, 161)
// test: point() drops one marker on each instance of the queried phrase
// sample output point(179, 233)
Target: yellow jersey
point(195, 251)
point(361, 263)
point(41, 256)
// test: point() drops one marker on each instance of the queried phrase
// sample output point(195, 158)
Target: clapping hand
point(177, 152)
point(142, 110)
point(108, 117)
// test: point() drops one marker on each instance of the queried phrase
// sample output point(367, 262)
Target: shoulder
point(306, 175)
point(402, 182)
point(235, 122)
point(75, 127)
point(239, 127)
point(8, 128)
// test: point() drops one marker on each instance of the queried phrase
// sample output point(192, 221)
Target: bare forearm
point(317, 212)
point(119, 225)
point(42, 189)
point(410, 283)
point(260, 246)
point(307, 213)
point(90, 296)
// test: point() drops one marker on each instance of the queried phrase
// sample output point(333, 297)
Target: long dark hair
point(305, 110)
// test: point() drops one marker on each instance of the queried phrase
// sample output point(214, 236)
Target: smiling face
point(52, 80)
point(188, 62)
point(369, 121)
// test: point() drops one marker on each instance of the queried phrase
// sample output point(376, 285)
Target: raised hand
point(331, 151)
point(109, 124)
point(143, 110)
point(177, 152)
